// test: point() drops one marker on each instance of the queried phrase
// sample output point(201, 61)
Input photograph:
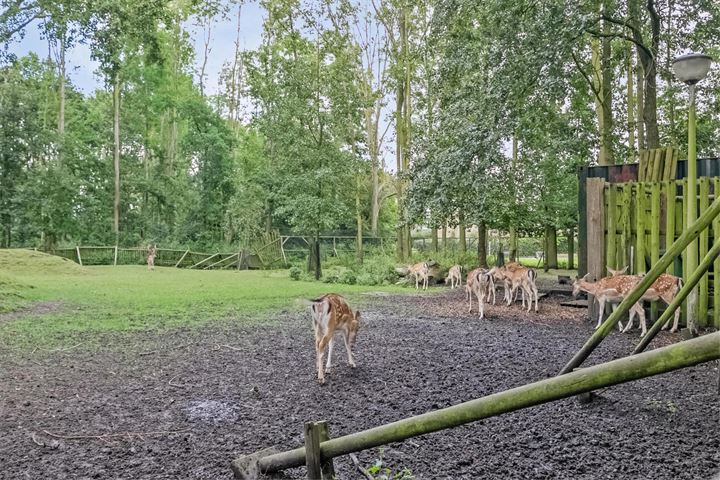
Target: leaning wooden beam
point(225, 259)
point(683, 241)
point(699, 272)
point(205, 260)
point(77, 250)
point(662, 360)
point(182, 258)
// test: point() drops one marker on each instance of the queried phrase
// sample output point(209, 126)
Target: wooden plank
point(669, 191)
point(704, 188)
point(205, 260)
point(610, 215)
point(182, 258)
point(595, 218)
point(625, 216)
point(640, 228)
point(327, 467)
point(641, 165)
point(716, 264)
point(673, 170)
point(658, 154)
point(654, 235)
point(667, 167)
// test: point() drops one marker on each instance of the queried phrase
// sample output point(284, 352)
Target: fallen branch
point(359, 467)
point(64, 349)
point(172, 384)
point(113, 435)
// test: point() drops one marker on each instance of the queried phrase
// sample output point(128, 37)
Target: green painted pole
point(685, 238)
point(691, 211)
point(699, 273)
point(661, 360)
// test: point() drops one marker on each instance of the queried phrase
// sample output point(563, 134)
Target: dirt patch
point(190, 401)
point(37, 308)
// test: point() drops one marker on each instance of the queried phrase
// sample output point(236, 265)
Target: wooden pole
point(699, 273)
point(77, 250)
point(595, 233)
point(115, 256)
point(654, 234)
point(312, 451)
point(662, 360)
point(611, 226)
point(640, 228)
point(716, 267)
point(704, 285)
point(683, 241)
point(670, 189)
point(182, 258)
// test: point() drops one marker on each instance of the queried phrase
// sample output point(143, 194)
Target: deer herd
point(331, 313)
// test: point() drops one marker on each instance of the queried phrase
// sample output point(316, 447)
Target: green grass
point(130, 298)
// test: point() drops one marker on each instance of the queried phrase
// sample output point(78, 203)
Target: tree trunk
point(546, 248)
point(552, 260)
point(61, 97)
point(571, 249)
point(513, 245)
point(444, 238)
point(651, 125)
point(462, 239)
point(640, 103)
point(358, 214)
point(116, 156)
point(597, 88)
point(434, 239)
point(482, 245)
point(630, 107)
point(606, 89)
point(314, 257)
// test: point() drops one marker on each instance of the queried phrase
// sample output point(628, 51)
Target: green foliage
point(295, 273)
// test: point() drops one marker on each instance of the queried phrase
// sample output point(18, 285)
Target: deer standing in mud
point(664, 288)
point(454, 276)
point(610, 289)
point(331, 313)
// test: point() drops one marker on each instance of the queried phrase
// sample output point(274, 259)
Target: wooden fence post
point(115, 256)
point(595, 234)
point(704, 188)
point(654, 235)
point(640, 229)
point(611, 226)
point(670, 193)
point(716, 267)
point(315, 433)
point(77, 250)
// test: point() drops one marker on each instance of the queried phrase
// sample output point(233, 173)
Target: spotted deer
point(420, 271)
point(664, 288)
point(478, 282)
point(515, 276)
point(454, 276)
point(151, 253)
point(610, 289)
point(331, 313)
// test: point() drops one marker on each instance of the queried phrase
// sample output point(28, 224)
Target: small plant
point(380, 472)
point(295, 273)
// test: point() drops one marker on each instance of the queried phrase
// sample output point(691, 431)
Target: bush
point(295, 273)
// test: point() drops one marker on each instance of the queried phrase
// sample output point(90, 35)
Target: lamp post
point(690, 69)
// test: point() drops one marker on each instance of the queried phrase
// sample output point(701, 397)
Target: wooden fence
point(632, 224)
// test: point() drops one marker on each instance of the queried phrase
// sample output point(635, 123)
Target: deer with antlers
point(664, 288)
point(331, 313)
point(420, 271)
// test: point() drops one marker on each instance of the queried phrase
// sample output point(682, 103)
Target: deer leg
point(481, 305)
point(601, 310)
point(535, 293)
point(328, 365)
point(351, 360)
point(322, 344)
point(642, 319)
point(676, 322)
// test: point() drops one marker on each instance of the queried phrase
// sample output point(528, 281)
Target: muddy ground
point(183, 404)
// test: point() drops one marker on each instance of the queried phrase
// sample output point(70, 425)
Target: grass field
point(60, 299)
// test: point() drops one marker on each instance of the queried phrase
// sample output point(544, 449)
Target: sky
point(81, 67)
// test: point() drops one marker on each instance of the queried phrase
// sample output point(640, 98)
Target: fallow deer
point(516, 276)
point(331, 313)
point(420, 271)
point(478, 282)
point(151, 253)
point(454, 276)
point(610, 289)
point(664, 288)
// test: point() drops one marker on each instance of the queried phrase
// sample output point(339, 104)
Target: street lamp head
point(692, 68)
